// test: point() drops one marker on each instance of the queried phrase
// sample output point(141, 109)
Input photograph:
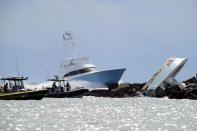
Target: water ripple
point(92, 113)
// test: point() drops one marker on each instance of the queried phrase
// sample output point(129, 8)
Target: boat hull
point(69, 94)
point(105, 77)
point(26, 95)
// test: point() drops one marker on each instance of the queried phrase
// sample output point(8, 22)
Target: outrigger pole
point(68, 39)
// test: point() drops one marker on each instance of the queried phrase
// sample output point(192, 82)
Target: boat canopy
point(14, 78)
point(57, 79)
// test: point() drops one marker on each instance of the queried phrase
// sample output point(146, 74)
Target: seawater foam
point(74, 84)
point(86, 84)
point(35, 86)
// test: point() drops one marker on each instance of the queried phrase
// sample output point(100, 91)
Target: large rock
point(189, 92)
point(190, 80)
point(174, 92)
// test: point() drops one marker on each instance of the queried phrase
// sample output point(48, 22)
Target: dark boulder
point(191, 80)
point(174, 92)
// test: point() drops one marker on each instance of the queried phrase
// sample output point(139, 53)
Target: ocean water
point(103, 114)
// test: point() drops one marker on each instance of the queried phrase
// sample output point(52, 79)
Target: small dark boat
point(64, 90)
point(15, 90)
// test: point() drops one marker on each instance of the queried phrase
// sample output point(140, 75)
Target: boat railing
point(79, 60)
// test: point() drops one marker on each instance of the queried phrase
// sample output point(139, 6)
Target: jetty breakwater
point(172, 91)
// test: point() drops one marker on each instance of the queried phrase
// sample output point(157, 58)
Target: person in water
point(68, 87)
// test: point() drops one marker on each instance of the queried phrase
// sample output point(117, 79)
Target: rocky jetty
point(131, 90)
point(189, 92)
point(122, 91)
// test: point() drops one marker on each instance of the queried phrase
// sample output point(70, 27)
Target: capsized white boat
point(166, 73)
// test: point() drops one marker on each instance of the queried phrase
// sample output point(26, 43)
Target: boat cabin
point(77, 66)
point(12, 84)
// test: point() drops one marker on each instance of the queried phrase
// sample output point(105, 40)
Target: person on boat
point(62, 89)
point(54, 87)
point(68, 87)
point(6, 88)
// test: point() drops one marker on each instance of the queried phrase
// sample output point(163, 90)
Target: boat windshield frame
point(78, 60)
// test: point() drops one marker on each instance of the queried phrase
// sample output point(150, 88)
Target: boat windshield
point(19, 83)
point(81, 71)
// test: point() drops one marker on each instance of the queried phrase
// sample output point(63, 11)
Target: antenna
point(68, 42)
point(17, 66)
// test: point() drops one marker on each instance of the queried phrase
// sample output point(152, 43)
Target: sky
point(134, 34)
